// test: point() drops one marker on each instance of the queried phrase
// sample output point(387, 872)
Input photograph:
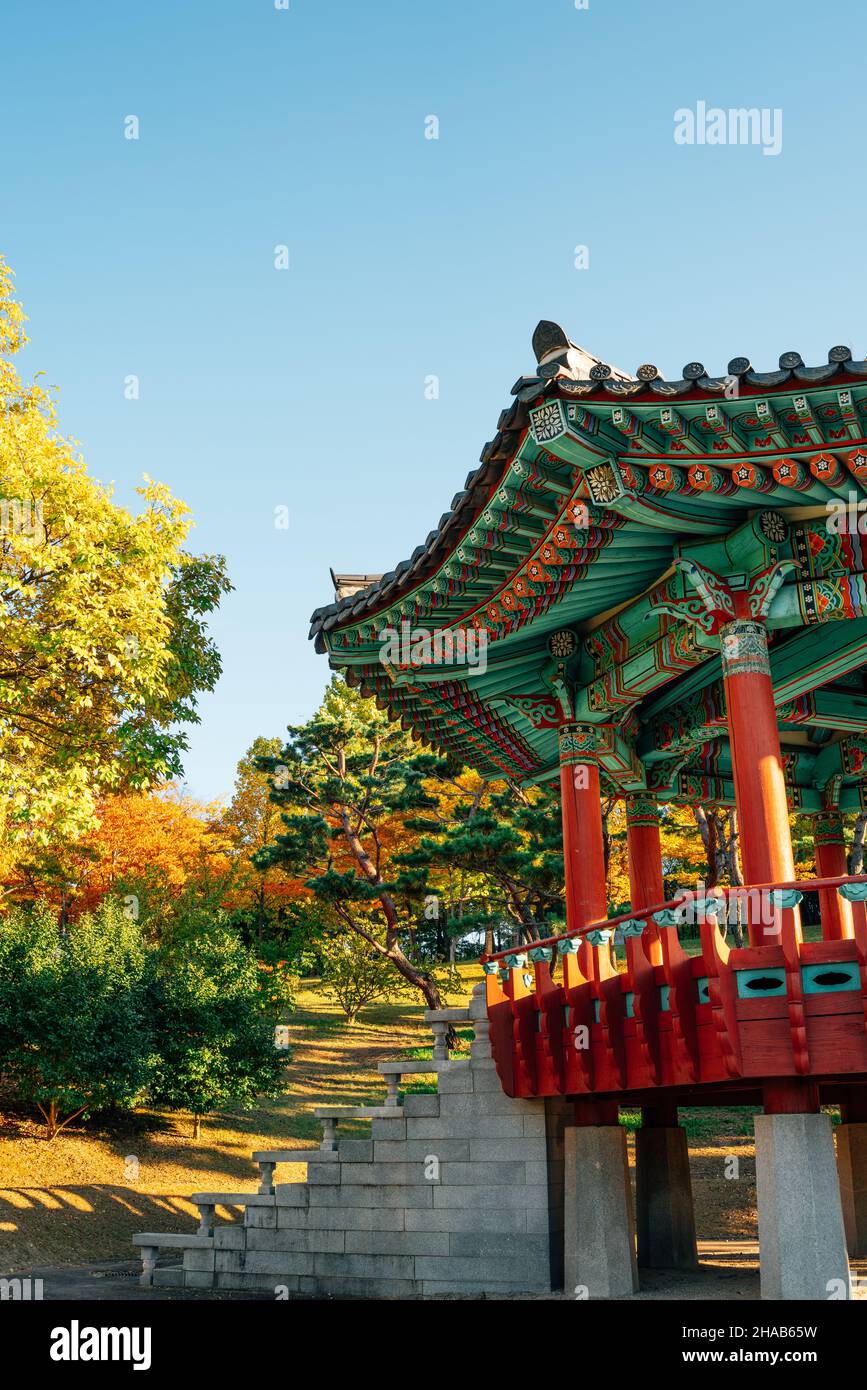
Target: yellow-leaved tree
point(103, 644)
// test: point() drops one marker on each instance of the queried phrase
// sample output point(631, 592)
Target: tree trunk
point(736, 877)
point(392, 951)
point(856, 854)
point(423, 983)
point(707, 829)
point(53, 1123)
point(415, 976)
point(442, 943)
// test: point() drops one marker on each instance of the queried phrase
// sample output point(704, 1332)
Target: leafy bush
point(92, 1016)
point(214, 1026)
point(74, 1033)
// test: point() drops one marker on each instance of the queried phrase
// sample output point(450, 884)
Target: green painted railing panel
point(831, 978)
point(761, 984)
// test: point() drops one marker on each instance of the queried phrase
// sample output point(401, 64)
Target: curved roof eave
point(559, 362)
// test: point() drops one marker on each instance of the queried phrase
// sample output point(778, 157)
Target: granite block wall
point(458, 1192)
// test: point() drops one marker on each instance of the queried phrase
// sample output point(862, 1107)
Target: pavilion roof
point(603, 390)
point(653, 466)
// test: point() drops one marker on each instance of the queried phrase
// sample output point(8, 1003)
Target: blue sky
point(408, 257)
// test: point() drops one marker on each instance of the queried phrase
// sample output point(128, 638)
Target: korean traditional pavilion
point(669, 580)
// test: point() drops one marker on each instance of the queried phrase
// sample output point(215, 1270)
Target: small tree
point(214, 1012)
point(73, 1023)
point(353, 974)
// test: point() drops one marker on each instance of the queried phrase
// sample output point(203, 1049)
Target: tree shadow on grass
point(64, 1225)
point(109, 1126)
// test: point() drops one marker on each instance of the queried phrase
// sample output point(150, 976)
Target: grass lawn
point(78, 1199)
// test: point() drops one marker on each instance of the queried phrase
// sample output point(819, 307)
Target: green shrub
point(74, 1032)
point(213, 1025)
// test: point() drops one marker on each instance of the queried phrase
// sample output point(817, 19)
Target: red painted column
point(645, 857)
point(830, 846)
point(760, 787)
point(583, 846)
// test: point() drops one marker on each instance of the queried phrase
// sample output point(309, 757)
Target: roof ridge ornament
point(548, 338)
point(557, 355)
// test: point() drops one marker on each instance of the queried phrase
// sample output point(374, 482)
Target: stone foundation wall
point(458, 1192)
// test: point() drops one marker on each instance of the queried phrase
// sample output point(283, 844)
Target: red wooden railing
point(807, 885)
point(783, 1007)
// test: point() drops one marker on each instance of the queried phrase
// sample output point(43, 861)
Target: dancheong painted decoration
point(656, 589)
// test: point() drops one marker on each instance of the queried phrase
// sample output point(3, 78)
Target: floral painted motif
point(547, 422)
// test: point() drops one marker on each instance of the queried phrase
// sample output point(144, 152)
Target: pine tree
point(344, 784)
point(495, 863)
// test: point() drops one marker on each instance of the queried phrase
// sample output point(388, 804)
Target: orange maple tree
point(166, 839)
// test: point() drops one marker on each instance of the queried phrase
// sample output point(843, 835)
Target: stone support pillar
point(599, 1225)
point(663, 1192)
point(802, 1244)
point(852, 1169)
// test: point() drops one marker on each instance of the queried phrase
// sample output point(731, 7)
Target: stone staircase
point(458, 1192)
